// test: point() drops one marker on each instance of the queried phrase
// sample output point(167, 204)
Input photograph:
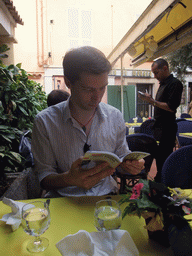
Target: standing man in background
point(165, 104)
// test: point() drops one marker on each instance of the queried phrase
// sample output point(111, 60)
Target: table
point(68, 216)
point(135, 126)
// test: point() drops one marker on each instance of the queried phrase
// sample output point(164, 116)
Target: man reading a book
point(64, 132)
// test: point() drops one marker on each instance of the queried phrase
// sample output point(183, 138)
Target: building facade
point(52, 27)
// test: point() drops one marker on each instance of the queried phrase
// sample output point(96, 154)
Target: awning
point(166, 25)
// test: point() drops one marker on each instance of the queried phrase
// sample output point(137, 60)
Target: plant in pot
point(163, 209)
point(20, 100)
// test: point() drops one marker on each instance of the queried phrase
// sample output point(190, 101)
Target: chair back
point(180, 119)
point(130, 120)
point(143, 142)
point(139, 120)
point(147, 127)
point(25, 149)
point(177, 169)
point(26, 186)
point(185, 115)
point(184, 126)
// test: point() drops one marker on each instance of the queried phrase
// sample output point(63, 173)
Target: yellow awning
point(164, 26)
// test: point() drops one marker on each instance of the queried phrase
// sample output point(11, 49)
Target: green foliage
point(3, 48)
point(180, 60)
point(140, 204)
point(20, 100)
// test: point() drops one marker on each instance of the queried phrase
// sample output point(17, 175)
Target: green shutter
point(114, 99)
point(129, 102)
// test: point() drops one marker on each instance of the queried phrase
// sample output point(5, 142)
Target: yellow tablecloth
point(186, 135)
point(68, 216)
point(133, 124)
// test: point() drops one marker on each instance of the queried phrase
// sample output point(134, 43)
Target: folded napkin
point(109, 243)
point(13, 218)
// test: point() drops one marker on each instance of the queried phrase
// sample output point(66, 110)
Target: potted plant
point(163, 209)
point(20, 100)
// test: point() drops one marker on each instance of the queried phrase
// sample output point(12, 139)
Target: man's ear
point(67, 82)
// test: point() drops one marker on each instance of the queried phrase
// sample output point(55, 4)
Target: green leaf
point(5, 137)
point(16, 156)
point(23, 110)
point(2, 148)
point(4, 127)
point(19, 65)
point(2, 155)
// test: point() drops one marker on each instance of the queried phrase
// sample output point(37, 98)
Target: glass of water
point(35, 221)
point(107, 215)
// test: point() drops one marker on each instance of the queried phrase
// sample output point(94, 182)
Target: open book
point(91, 158)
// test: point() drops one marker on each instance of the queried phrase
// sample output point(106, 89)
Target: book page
point(136, 155)
point(100, 156)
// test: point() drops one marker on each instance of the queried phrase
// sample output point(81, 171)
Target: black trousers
point(166, 135)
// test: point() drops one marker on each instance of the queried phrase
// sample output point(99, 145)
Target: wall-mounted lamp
point(132, 51)
point(150, 46)
point(148, 53)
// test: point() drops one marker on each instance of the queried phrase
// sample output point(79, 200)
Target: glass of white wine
point(35, 221)
point(107, 215)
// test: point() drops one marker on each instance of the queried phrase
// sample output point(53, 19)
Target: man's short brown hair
point(84, 59)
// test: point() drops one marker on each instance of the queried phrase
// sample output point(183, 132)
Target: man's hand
point(77, 176)
point(146, 97)
point(133, 167)
point(87, 178)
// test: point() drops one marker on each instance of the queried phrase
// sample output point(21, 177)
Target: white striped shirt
point(58, 140)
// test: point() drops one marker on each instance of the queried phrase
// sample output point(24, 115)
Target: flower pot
point(160, 236)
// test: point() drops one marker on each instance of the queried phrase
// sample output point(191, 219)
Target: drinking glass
point(107, 215)
point(35, 221)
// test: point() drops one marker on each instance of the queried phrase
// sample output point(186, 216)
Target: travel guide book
point(91, 158)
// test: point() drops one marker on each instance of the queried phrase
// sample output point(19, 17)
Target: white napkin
point(13, 218)
point(109, 243)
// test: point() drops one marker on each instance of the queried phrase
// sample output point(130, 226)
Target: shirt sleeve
point(122, 148)
point(44, 162)
point(175, 92)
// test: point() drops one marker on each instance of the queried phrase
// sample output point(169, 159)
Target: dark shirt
point(170, 91)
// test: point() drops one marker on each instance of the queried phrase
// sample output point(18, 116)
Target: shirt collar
point(101, 114)
point(67, 112)
point(166, 79)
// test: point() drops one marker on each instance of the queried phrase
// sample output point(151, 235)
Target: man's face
point(159, 73)
point(88, 91)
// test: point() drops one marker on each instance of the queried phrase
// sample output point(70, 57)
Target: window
point(143, 108)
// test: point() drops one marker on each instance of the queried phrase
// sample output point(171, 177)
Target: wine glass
point(35, 221)
point(107, 215)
